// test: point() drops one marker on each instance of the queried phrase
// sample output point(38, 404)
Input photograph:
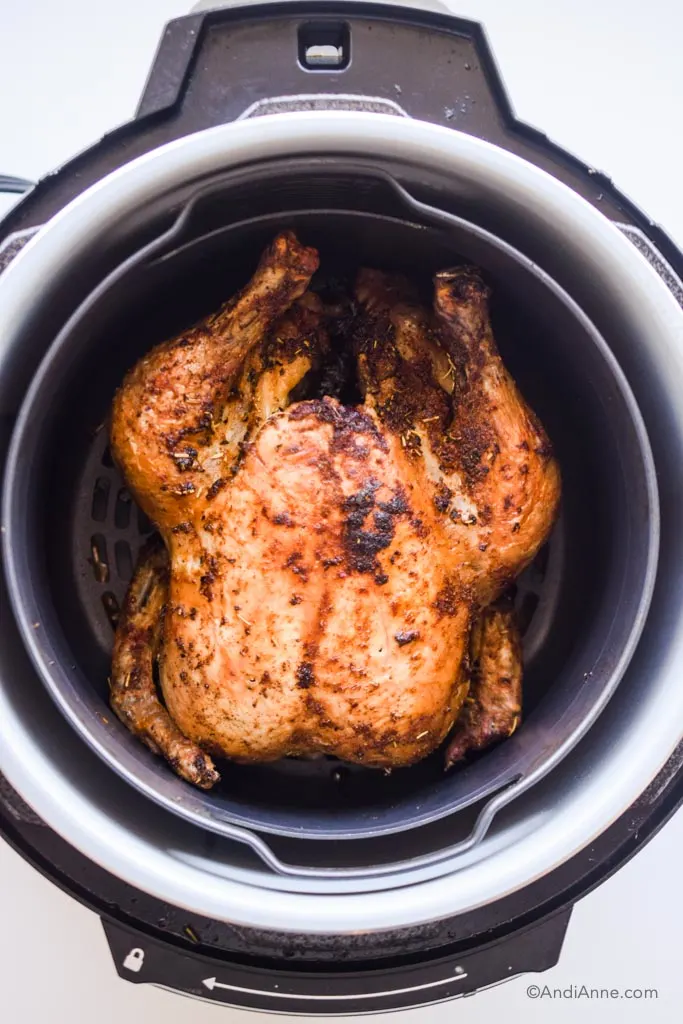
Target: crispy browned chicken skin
point(325, 563)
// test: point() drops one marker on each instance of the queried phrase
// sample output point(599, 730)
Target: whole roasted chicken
point(329, 578)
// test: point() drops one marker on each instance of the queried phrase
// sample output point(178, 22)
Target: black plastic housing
point(440, 69)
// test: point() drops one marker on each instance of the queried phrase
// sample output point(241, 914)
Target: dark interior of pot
point(579, 603)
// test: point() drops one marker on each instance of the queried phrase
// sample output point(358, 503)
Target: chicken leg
point(493, 707)
point(496, 450)
point(164, 415)
point(132, 688)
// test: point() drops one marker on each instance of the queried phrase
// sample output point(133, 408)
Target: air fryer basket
point(76, 531)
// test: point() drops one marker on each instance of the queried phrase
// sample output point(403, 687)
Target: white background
point(603, 78)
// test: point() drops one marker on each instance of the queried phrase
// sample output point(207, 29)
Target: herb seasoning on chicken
point(328, 575)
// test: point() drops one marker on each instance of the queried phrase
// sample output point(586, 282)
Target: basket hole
point(111, 607)
point(124, 560)
point(98, 558)
point(100, 499)
point(527, 611)
point(122, 508)
point(107, 459)
point(144, 525)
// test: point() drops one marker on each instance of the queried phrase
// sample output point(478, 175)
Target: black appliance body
point(380, 61)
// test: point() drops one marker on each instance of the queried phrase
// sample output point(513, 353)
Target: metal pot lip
point(46, 259)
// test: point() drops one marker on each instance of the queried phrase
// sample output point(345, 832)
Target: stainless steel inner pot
point(611, 282)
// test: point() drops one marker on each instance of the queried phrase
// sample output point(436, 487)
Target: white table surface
point(603, 78)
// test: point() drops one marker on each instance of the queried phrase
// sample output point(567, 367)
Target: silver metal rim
point(584, 809)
